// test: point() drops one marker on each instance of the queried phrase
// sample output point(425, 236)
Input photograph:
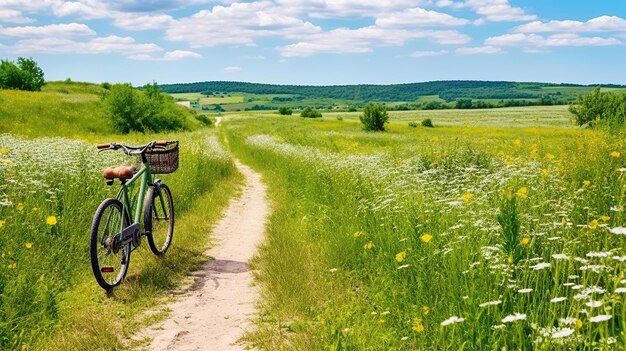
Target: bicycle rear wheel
point(109, 261)
point(159, 218)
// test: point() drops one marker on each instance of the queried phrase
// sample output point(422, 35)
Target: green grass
point(377, 240)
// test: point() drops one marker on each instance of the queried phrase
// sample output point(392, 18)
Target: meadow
point(50, 185)
point(497, 233)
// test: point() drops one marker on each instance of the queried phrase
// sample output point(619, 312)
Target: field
point(497, 229)
point(506, 233)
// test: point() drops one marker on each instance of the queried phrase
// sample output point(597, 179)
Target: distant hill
point(447, 90)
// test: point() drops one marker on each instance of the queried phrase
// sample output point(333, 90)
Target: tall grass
point(447, 238)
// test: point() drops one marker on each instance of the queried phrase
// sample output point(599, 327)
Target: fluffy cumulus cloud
point(168, 56)
point(13, 16)
point(555, 40)
point(51, 30)
point(100, 45)
point(480, 50)
point(491, 10)
point(418, 17)
point(347, 8)
point(598, 24)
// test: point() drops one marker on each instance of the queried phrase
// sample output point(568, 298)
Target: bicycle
point(113, 235)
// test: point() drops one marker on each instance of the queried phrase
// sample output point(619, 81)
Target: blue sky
point(319, 42)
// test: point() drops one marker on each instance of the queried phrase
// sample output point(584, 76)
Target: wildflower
point(404, 338)
point(333, 270)
point(549, 156)
point(558, 299)
point(517, 142)
point(490, 303)
point(545, 172)
point(12, 265)
point(35, 209)
point(560, 256)
point(400, 256)
point(368, 246)
point(51, 220)
point(524, 291)
point(4, 151)
point(514, 317)
point(452, 320)
point(593, 224)
point(562, 333)
point(425, 310)
point(586, 183)
point(467, 197)
point(540, 266)
point(20, 207)
point(600, 318)
point(358, 233)
point(417, 325)
point(604, 218)
point(618, 230)
point(426, 238)
point(2, 222)
point(621, 290)
point(593, 304)
point(615, 154)
point(524, 241)
point(28, 245)
point(579, 324)
point(404, 266)
point(522, 193)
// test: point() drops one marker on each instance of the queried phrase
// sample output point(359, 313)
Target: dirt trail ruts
point(215, 311)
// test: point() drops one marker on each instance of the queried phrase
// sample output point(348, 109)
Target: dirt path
point(215, 310)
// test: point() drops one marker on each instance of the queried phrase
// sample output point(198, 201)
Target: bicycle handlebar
point(135, 150)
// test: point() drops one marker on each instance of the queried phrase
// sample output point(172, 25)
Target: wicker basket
point(163, 161)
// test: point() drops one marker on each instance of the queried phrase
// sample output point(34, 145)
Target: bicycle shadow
point(213, 268)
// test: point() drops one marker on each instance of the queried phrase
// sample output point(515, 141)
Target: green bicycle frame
point(144, 177)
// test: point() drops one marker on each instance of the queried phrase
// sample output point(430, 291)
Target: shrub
point(374, 117)
point(413, 124)
point(309, 112)
point(600, 108)
point(143, 111)
point(26, 75)
point(340, 118)
point(285, 111)
point(203, 119)
point(427, 123)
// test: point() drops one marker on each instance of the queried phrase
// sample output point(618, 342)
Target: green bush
point(285, 111)
point(26, 75)
point(413, 124)
point(203, 119)
point(374, 117)
point(309, 112)
point(340, 118)
point(427, 123)
point(596, 108)
point(143, 111)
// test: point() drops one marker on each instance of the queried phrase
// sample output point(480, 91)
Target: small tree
point(427, 123)
point(374, 117)
point(285, 111)
point(26, 75)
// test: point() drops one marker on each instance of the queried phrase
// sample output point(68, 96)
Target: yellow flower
point(593, 224)
point(2, 223)
point(51, 220)
point(545, 172)
point(550, 157)
point(615, 154)
point(586, 183)
point(12, 265)
point(579, 324)
point(358, 233)
point(604, 218)
point(510, 259)
point(400, 256)
point(517, 142)
point(534, 150)
point(525, 241)
point(368, 246)
point(4, 151)
point(426, 238)
point(467, 197)
point(522, 193)
point(417, 325)
point(28, 245)
point(35, 209)
point(425, 310)
point(20, 207)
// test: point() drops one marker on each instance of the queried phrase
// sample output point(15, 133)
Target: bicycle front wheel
point(159, 218)
point(109, 260)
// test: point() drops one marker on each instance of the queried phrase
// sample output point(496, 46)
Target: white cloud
point(418, 17)
point(348, 8)
point(429, 53)
point(480, 50)
point(131, 21)
point(13, 16)
point(598, 24)
point(51, 30)
point(232, 69)
point(102, 45)
point(549, 41)
point(168, 56)
point(491, 10)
